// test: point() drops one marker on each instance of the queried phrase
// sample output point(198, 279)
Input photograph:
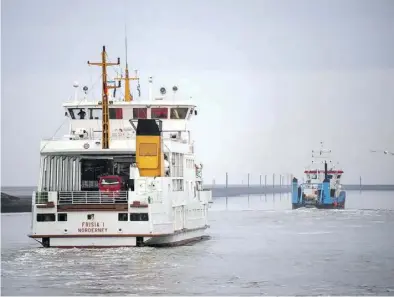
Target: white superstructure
point(69, 209)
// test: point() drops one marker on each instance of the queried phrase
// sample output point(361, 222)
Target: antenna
point(85, 90)
point(105, 108)
point(174, 90)
point(320, 153)
point(138, 86)
point(150, 87)
point(76, 85)
point(125, 42)
point(127, 96)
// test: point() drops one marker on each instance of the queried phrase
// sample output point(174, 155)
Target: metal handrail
point(92, 197)
point(113, 137)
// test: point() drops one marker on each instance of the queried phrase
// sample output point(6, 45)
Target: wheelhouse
point(121, 111)
point(318, 175)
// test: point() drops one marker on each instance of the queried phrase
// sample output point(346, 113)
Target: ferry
point(125, 174)
point(322, 187)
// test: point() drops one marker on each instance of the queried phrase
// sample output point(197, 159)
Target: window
point(71, 113)
point(77, 113)
point(95, 113)
point(62, 217)
point(41, 197)
point(139, 217)
point(339, 176)
point(115, 113)
point(122, 217)
point(140, 113)
point(109, 181)
point(159, 113)
point(90, 217)
point(46, 217)
point(179, 113)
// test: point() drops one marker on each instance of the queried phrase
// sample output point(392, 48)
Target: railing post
point(360, 183)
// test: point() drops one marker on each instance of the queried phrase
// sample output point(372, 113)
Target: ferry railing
point(92, 197)
point(310, 185)
point(127, 136)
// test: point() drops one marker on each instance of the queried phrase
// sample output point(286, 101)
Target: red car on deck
point(111, 186)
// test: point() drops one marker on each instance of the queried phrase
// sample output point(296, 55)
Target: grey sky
point(271, 78)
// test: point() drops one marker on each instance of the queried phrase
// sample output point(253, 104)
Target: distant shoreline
point(22, 203)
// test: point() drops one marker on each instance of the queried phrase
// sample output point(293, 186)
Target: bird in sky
point(383, 151)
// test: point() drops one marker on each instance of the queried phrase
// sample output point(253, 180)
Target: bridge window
point(159, 113)
point(46, 217)
point(77, 113)
point(140, 113)
point(109, 181)
point(95, 114)
point(115, 113)
point(179, 113)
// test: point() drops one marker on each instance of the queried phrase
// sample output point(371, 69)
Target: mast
point(324, 155)
point(127, 97)
point(105, 108)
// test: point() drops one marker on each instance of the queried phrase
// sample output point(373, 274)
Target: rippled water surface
point(257, 246)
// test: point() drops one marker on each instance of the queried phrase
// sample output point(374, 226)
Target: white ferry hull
point(177, 238)
point(92, 242)
point(125, 178)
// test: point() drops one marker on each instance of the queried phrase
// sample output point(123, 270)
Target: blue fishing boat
point(322, 187)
